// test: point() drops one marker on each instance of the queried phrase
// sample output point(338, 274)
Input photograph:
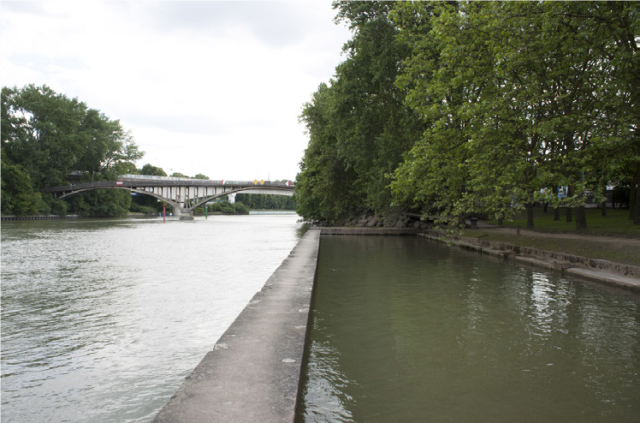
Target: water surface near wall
point(406, 329)
point(103, 319)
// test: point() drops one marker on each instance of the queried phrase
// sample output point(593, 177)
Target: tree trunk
point(556, 209)
point(634, 192)
point(604, 208)
point(530, 216)
point(581, 219)
point(544, 207)
point(569, 194)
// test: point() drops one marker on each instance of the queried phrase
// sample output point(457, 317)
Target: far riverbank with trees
point(50, 140)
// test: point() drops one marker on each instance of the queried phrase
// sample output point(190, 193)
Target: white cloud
point(205, 87)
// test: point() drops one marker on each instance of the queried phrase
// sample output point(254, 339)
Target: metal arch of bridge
point(184, 195)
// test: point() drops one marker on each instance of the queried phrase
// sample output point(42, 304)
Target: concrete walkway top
point(252, 374)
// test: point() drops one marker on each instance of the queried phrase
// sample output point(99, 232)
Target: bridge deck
point(182, 194)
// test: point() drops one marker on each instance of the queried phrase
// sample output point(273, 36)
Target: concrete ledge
point(253, 372)
point(541, 263)
point(622, 276)
point(609, 278)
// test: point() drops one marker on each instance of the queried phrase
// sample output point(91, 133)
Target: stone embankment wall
point(612, 273)
point(401, 221)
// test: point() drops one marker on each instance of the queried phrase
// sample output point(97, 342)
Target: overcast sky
point(213, 87)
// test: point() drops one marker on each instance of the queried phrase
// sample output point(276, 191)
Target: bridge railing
point(202, 181)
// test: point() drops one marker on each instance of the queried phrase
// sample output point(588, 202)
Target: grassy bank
point(612, 238)
point(616, 223)
point(598, 249)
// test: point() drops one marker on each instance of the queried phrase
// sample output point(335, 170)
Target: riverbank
point(604, 271)
point(39, 217)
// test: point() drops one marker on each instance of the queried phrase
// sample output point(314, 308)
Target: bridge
point(183, 194)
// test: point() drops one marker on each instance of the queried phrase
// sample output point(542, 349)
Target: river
point(409, 330)
point(103, 319)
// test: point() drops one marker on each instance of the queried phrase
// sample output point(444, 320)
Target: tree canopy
point(45, 137)
point(359, 126)
point(462, 108)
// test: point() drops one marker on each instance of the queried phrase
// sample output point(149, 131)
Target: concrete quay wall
point(253, 372)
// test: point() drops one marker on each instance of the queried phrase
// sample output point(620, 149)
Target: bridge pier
point(182, 214)
point(186, 215)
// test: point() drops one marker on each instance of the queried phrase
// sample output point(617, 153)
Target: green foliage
point(241, 208)
point(266, 201)
point(215, 207)
point(45, 136)
point(18, 197)
point(145, 203)
point(359, 127)
point(149, 169)
point(474, 108)
point(101, 203)
point(201, 176)
point(223, 207)
point(517, 97)
point(227, 208)
point(50, 135)
point(59, 207)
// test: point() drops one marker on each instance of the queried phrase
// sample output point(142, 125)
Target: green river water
point(409, 330)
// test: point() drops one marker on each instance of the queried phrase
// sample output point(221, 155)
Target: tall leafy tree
point(106, 144)
point(326, 188)
point(47, 135)
point(524, 96)
point(359, 126)
point(149, 169)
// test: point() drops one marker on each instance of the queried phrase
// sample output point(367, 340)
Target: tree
point(43, 134)
point(149, 169)
point(107, 144)
point(46, 135)
point(326, 188)
point(359, 127)
point(524, 96)
point(18, 197)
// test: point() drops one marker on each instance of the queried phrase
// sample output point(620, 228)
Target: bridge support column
point(186, 215)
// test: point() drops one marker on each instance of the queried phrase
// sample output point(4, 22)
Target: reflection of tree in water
point(608, 330)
